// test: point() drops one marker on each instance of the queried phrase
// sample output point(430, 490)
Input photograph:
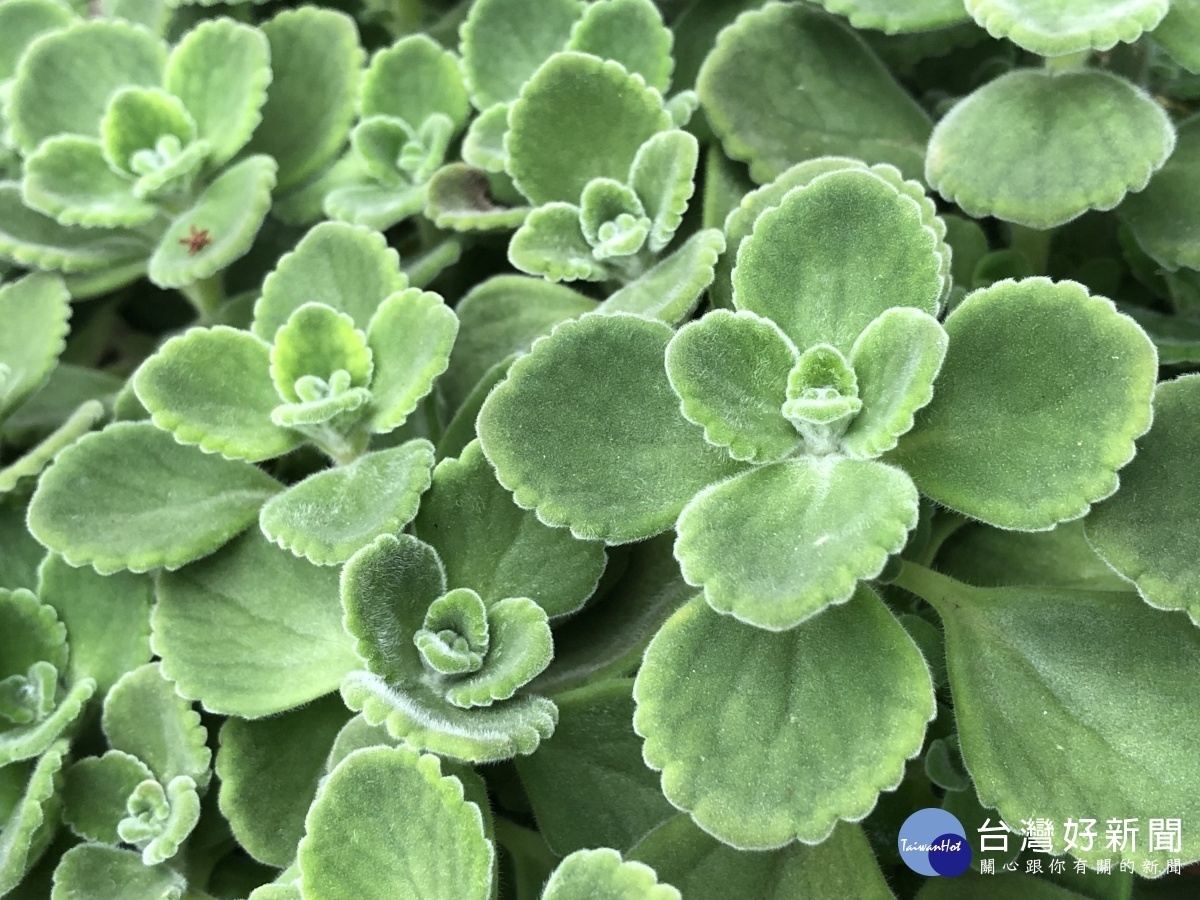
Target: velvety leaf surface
point(275, 617)
point(20, 22)
point(212, 388)
point(587, 783)
point(578, 118)
point(1159, 215)
point(28, 828)
point(777, 544)
point(68, 178)
point(705, 869)
point(673, 287)
point(598, 376)
point(1067, 27)
point(150, 501)
point(136, 118)
point(812, 725)
point(95, 793)
point(1099, 138)
point(815, 263)
point(601, 875)
point(1179, 33)
point(849, 103)
point(898, 18)
point(1039, 378)
point(388, 817)
point(109, 873)
point(22, 553)
point(270, 770)
point(661, 176)
point(332, 513)
point(318, 340)
point(460, 198)
point(31, 464)
point(1148, 530)
point(551, 243)
point(412, 80)
point(35, 310)
point(489, 544)
point(630, 32)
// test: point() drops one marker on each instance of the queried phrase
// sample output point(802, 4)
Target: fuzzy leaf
point(630, 32)
point(410, 336)
point(1159, 215)
point(551, 243)
point(374, 206)
point(90, 413)
point(816, 264)
point(387, 816)
point(231, 209)
point(847, 102)
point(843, 865)
point(146, 718)
point(662, 176)
point(896, 360)
point(1179, 33)
point(899, 18)
point(136, 119)
point(270, 770)
point(316, 64)
point(586, 431)
point(212, 388)
point(483, 144)
point(1042, 394)
point(578, 118)
point(776, 545)
point(68, 178)
point(63, 84)
point(220, 70)
point(22, 553)
point(1102, 138)
point(817, 721)
point(317, 342)
point(612, 218)
point(29, 827)
point(32, 634)
point(730, 371)
point(412, 80)
point(26, 741)
point(672, 289)
point(460, 198)
point(601, 875)
point(1070, 26)
point(345, 267)
point(35, 310)
point(109, 873)
point(275, 617)
point(95, 793)
point(519, 648)
point(489, 544)
point(503, 45)
point(334, 512)
point(21, 21)
point(1148, 530)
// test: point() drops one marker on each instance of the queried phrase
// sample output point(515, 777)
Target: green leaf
point(672, 289)
point(586, 431)
point(160, 819)
point(489, 544)
point(212, 387)
point(27, 741)
point(316, 342)
point(1147, 531)
point(387, 816)
point(815, 263)
point(231, 209)
point(1179, 33)
point(220, 70)
point(345, 267)
point(630, 32)
point(150, 501)
point(739, 539)
point(32, 633)
point(136, 121)
point(601, 875)
point(95, 793)
point(588, 784)
point(107, 619)
point(461, 429)
point(483, 144)
point(68, 178)
point(35, 310)
point(520, 647)
point(1019, 651)
point(813, 725)
point(503, 45)
point(29, 826)
point(1158, 215)
point(65, 79)
point(109, 873)
point(896, 360)
point(578, 118)
point(662, 175)
point(986, 887)
point(551, 243)
point(410, 336)
point(1070, 26)
point(270, 770)
point(1103, 138)
point(847, 104)
point(275, 617)
point(146, 718)
point(21, 21)
point(705, 869)
point(730, 371)
point(334, 512)
point(38, 241)
point(22, 553)
point(316, 64)
point(894, 18)
point(412, 80)
point(612, 218)
point(374, 206)
point(459, 197)
point(1042, 394)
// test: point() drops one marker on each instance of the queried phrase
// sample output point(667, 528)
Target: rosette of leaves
point(788, 441)
point(145, 790)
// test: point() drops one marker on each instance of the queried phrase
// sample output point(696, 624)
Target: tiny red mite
point(196, 240)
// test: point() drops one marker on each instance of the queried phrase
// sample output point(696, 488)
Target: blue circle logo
point(933, 842)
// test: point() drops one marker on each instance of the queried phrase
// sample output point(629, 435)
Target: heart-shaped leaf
point(29, 827)
point(35, 310)
point(630, 32)
point(1103, 138)
point(601, 874)
point(95, 793)
point(67, 177)
point(1039, 378)
point(671, 290)
point(551, 243)
point(1070, 26)
point(412, 80)
point(1158, 215)
point(151, 502)
point(893, 18)
point(814, 723)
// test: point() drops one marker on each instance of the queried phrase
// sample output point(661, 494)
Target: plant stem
point(207, 295)
point(1068, 61)
point(523, 842)
point(940, 591)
